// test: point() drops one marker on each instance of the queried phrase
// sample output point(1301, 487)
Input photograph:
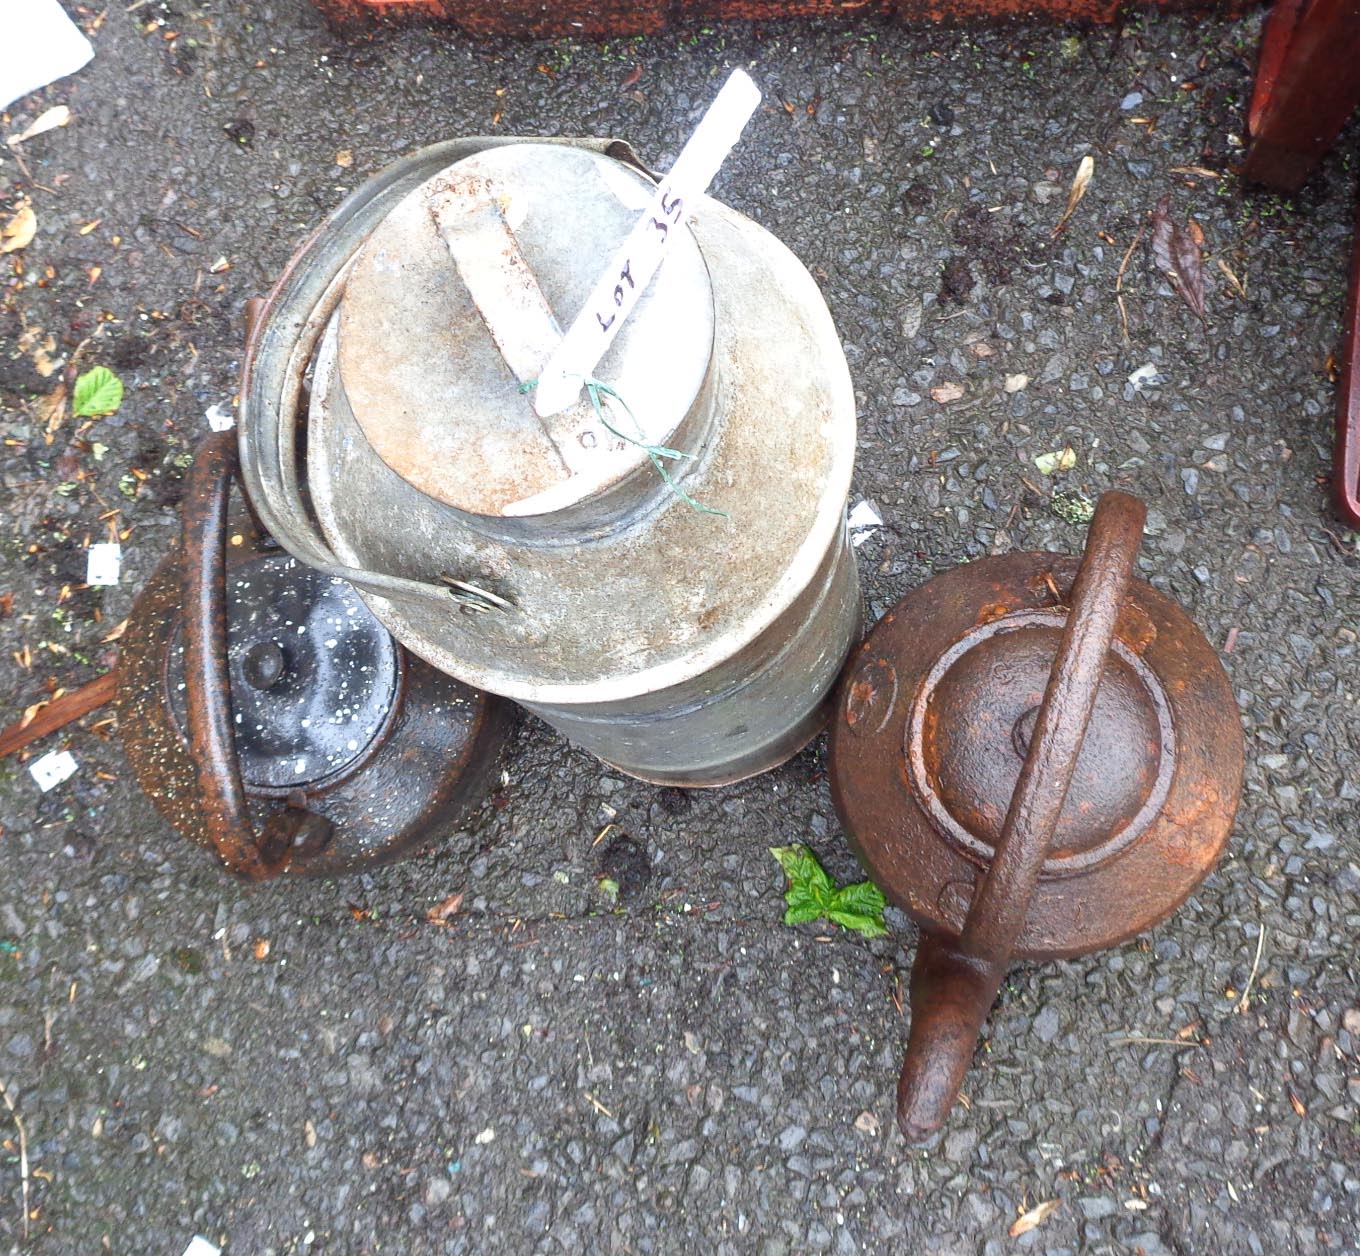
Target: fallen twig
point(23, 1150)
point(1124, 265)
point(1255, 967)
point(1119, 282)
point(1133, 1039)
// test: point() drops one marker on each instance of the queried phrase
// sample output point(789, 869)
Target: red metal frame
point(1307, 86)
point(614, 18)
point(1346, 464)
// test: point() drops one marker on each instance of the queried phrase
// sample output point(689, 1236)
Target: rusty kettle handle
point(954, 983)
point(254, 857)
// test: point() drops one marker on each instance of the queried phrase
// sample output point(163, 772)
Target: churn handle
point(207, 684)
point(954, 984)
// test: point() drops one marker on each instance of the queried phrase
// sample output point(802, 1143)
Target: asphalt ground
point(679, 1071)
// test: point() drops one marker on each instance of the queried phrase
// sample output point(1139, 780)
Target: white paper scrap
point(220, 419)
point(1146, 376)
point(199, 1246)
point(53, 768)
point(40, 44)
point(104, 564)
point(864, 521)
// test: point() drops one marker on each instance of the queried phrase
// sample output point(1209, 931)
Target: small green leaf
point(812, 896)
point(609, 888)
point(790, 859)
point(98, 391)
point(1073, 507)
point(800, 896)
point(803, 871)
point(863, 898)
point(866, 926)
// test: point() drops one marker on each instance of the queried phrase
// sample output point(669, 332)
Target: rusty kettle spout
point(951, 995)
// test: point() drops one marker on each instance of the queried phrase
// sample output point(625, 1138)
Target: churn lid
point(935, 722)
point(462, 291)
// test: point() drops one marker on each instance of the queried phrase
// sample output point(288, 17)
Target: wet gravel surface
point(678, 1071)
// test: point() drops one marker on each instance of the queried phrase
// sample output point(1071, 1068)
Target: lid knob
point(263, 665)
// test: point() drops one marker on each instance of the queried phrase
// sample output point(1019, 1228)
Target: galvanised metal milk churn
point(686, 627)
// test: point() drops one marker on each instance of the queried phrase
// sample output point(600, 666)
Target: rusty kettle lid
point(935, 722)
point(455, 300)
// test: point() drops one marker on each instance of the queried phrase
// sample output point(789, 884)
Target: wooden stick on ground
point(59, 713)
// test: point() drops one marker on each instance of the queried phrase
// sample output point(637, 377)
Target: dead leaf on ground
point(1178, 256)
point(1026, 1222)
point(1080, 182)
point(946, 392)
point(40, 346)
point(19, 231)
point(439, 914)
point(48, 120)
point(51, 409)
point(1059, 460)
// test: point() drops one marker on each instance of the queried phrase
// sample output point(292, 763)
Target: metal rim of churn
point(955, 788)
point(271, 719)
point(599, 615)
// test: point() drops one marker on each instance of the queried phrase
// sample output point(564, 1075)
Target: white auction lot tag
point(634, 264)
point(104, 563)
point(53, 768)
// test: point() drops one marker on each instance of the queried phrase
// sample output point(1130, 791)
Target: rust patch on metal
point(871, 696)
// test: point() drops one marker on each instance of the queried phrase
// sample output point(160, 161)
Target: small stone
point(1016, 383)
point(791, 1138)
point(1350, 1020)
point(1046, 1025)
point(1093, 1207)
point(1131, 101)
point(959, 1144)
point(867, 1123)
point(909, 318)
point(437, 1190)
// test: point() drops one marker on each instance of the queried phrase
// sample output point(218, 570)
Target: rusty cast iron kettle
point(273, 720)
point(1034, 759)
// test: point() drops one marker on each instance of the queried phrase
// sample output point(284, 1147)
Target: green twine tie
point(655, 453)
